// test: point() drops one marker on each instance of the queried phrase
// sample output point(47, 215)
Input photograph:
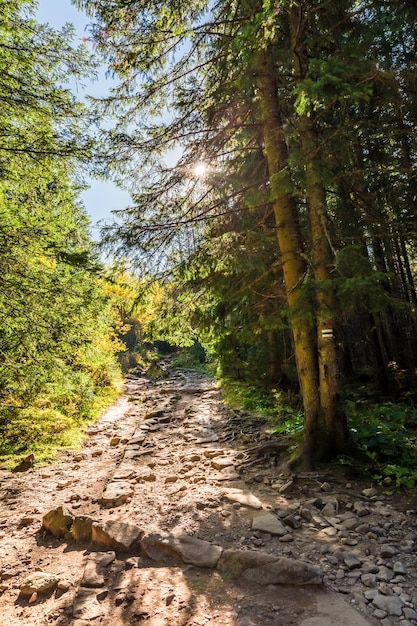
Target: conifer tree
point(303, 80)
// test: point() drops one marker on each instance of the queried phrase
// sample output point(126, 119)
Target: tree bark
point(290, 242)
point(334, 437)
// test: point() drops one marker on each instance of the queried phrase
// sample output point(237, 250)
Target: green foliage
point(272, 406)
point(35, 430)
point(193, 358)
point(388, 434)
point(346, 73)
point(57, 345)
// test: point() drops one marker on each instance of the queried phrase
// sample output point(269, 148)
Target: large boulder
point(183, 547)
point(267, 569)
point(118, 536)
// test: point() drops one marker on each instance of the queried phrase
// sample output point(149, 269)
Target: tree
point(304, 77)
point(57, 344)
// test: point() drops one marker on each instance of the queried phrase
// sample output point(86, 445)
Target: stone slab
point(119, 536)
point(245, 498)
point(189, 549)
point(269, 523)
point(332, 609)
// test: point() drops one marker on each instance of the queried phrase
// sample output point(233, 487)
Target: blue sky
point(102, 197)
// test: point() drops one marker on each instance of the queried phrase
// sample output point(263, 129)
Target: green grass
point(271, 405)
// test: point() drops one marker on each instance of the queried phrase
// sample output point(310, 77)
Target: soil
point(169, 431)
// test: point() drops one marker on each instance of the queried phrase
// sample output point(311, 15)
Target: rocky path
point(174, 515)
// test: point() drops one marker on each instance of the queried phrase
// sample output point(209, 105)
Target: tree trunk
point(337, 438)
point(334, 436)
point(291, 251)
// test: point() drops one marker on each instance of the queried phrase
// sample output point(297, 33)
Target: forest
point(269, 148)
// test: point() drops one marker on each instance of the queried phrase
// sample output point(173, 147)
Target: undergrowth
point(43, 428)
point(192, 358)
point(272, 405)
point(386, 432)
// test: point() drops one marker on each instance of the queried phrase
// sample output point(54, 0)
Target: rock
point(82, 528)
point(203, 440)
point(145, 473)
point(387, 551)
point(119, 536)
point(244, 498)
point(370, 568)
point(81, 456)
point(362, 529)
point(269, 523)
point(351, 523)
point(410, 613)
point(169, 599)
point(125, 471)
point(222, 462)
point(391, 604)
point(382, 509)
point(58, 522)
point(361, 509)
point(369, 580)
point(351, 561)
point(171, 479)
point(385, 574)
point(64, 483)
point(306, 513)
point(399, 568)
point(39, 583)
point(26, 464)
point(95, 569)
point(116, 494)
point(369, 493)
point(137, 439)
point(184, 547)
point(370, 594)
point(283, 487)
point(292, 522)
point(211, 453)
point(64, 586)
point(331, 508)
point(87, 607)
point(267, 569)
point(131, 563)
point(325, 486)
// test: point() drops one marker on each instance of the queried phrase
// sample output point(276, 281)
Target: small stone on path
point(38, 582)
point(116, 494)
point(244, 498)
point(269, 523)
point(222, 462)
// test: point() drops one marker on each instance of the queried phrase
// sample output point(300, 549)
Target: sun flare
point(200, 169)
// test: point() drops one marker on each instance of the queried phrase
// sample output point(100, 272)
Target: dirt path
point(169, 459)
